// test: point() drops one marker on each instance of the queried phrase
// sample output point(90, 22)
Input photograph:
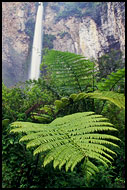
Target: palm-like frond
point(70, 139)
point(89, 168)
point(115, 78)
point(69, 72)
point(116, 98)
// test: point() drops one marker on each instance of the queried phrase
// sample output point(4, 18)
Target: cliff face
point(87, 36)
point(17, 18)
point(82, 35)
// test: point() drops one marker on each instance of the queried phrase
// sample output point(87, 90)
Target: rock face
point(85, 35)
point(16, 40)
point(82, 35)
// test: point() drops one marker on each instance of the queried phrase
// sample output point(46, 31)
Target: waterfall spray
point(37, 45)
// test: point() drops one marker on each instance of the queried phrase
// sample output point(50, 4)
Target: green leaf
point(69, 139)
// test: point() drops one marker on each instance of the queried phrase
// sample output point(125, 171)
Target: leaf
point(69, 72)
point(59, 104)
point(5, 122)
point(112, 80)
point(69, 139)
point(117, 98)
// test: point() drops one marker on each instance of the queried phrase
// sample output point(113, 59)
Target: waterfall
point(37, 45)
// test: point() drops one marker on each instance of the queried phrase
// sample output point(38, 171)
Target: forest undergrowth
point(67, 129)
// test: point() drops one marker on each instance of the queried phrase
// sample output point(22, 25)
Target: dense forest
point(66, 129)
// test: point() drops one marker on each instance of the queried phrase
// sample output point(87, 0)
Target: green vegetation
point(70, 139)
point(66, 129)
point(68, 72)
point(48, 41)
point(110, 62)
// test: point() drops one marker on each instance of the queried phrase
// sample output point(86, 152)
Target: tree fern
point(89, 167)
point(68, 140)
point(115, 78)
point(116, 98)
point(67, 72)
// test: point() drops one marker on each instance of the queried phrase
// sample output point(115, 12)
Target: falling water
point(37, 45)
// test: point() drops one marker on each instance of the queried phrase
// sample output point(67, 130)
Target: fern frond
point(89, 168)
point(117, 98)
point(97, 148)
point(97, 156)
point(97, 136)
point(27, 127)
point(74, 159)
point(55, 152)
point(112, 80)
point(91, 165)
point(70, 139)
point(68, 72)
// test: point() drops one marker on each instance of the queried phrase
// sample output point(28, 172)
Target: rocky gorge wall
point(85, 35)
point(18, 20)
point(82, 35)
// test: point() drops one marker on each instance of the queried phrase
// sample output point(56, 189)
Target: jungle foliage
point(110, 62)
point(72, 119)
point(48, 40)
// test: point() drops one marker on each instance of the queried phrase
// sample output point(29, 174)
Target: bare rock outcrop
point(86, 35)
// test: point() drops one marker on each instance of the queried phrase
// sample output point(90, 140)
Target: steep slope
point(88, 35)
point(88, 29)
point(18, 19)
